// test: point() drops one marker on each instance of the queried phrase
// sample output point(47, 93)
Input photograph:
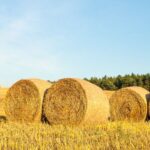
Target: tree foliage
point(114, 83)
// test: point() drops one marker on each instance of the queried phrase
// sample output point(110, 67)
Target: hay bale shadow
point(148, 107)
point(3, 119)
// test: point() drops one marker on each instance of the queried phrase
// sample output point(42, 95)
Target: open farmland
point(74, 75)
point(60, 122)
point(116, 136)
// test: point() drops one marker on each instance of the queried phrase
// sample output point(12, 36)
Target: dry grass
point(75, 101)
point(24, 100)
point(110, 136)
point(129, 104)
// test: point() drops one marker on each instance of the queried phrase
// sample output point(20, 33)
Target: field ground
point(113, 136)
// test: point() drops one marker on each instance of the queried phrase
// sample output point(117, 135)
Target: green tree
point(113, 83)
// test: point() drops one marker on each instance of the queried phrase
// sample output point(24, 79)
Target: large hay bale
point(74, 101)
point(129, 104)
point(24, 100)
point(3, 92)
point(108, 93)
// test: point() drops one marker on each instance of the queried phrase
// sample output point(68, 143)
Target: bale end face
point(22, 102)
point(129, 104)
point(65, 103)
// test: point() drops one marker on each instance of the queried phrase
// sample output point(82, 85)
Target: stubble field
point(113, 136)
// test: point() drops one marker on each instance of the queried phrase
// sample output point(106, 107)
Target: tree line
point(114, 83)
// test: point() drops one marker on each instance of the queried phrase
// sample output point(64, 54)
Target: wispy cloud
point(15, 29)
point(25, 56)
point(32, 38)
point(31, 61)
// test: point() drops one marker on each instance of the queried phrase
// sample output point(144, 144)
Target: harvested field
point(74, 101)
point(129, 104)
point(109, 136)
point(24, 100)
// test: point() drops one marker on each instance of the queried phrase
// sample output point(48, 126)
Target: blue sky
point(73, 38)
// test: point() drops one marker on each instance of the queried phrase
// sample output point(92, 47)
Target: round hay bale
point(74, 101)
point(24, 100)
point(129, 104)
point(3, 92)
point(108, 93)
